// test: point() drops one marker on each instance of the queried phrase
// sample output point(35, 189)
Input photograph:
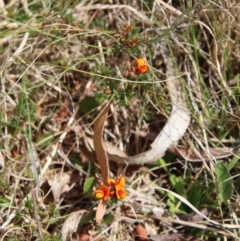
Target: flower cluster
point(114, 189)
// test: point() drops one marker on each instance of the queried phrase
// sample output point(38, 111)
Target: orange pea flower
point(114, 189)
point(140, 66)
point(119, 188)
point(103, 192)
point(113, 182)
point(120, 192)
point(120, 181)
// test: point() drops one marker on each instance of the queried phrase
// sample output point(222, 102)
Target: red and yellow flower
point(114, 189)
point(139, 66)
point(120, 192)
point(103, 192)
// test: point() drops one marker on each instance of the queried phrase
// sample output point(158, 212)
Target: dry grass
point(60, 61)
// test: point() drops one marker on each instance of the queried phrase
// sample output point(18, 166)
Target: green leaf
point(87, 218)
point(108, 218)
point(224, 182)
point(44, 140)
point(195, 195)
point(234, 161)
point(178, 184)
point(88, 185)
point(4, 202)
point(172, 198)
point(173, 209)
point(90, 103)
